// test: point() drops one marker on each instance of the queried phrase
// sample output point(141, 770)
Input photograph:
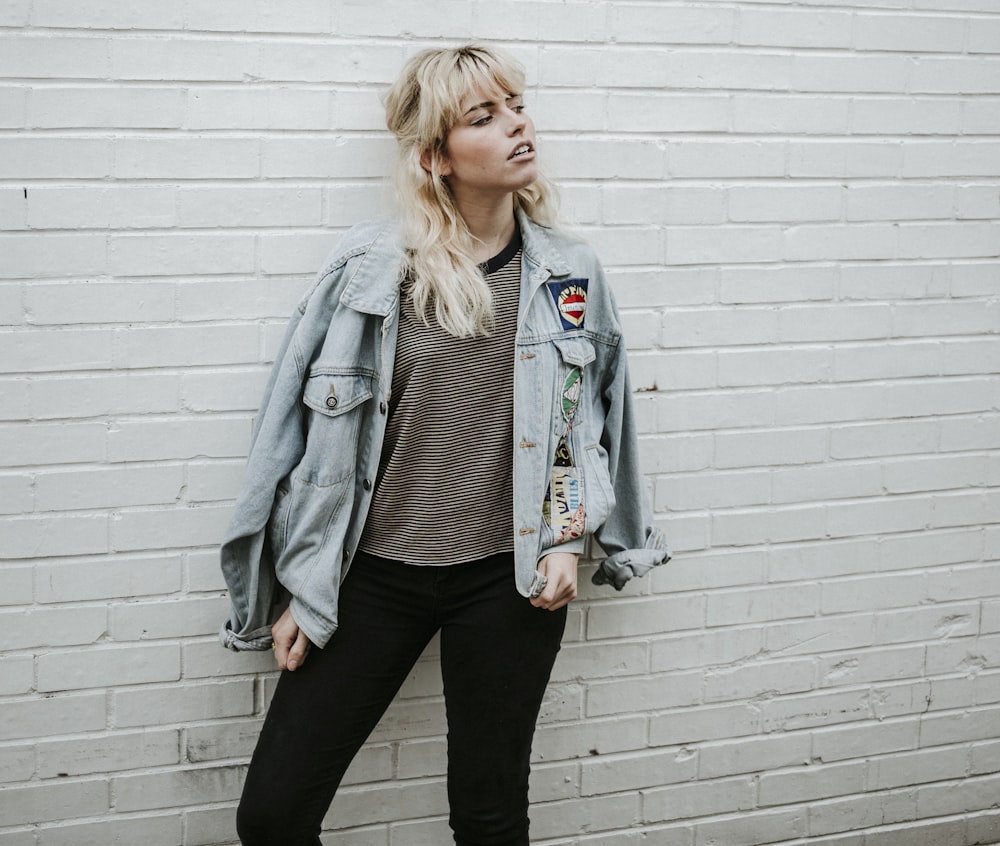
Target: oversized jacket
point(317, 439)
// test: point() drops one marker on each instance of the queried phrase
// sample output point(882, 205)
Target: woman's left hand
point(559, 569)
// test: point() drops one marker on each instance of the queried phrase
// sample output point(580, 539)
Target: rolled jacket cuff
point(628, 564)
point(233, 641)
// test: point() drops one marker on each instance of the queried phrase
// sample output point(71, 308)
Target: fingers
point(290, 643)
point(559, 569)
point(297, 654)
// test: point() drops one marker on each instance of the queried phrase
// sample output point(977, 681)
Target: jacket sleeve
point(632, 543)
point(277, 444)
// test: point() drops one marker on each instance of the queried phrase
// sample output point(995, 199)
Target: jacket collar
point(538, 247)
point(374, 286)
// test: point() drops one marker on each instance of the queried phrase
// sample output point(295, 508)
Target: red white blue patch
point(570, 296)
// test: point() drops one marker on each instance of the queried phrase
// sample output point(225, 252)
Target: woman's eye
point(482, 121)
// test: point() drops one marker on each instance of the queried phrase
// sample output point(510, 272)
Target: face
point(490, 152)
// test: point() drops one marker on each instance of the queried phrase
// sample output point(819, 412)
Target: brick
point(905, 116)
point(17, 763)
point(108, 487)
point(16, 585)
point(161, 528)
point(256, 108)
point(108, 753)
point(363, 805)
point(907, 768)
point(191, 786)
point(167, 619)
point(592, 814)
point(701, 799)
point(45, 802)
point(207, 827)
point(949, 158)
point(18, 675)
point(657, 692)
point(860, 812)
point(213, 481)
point(65, 255)
point(900, 202)
point(814, 782)
point(51, 627)
point(240, 204)
point(613, 774)
point(46, 157)
point(84, 580)
point(180, 253)
point(149, 706)
point(49, 535)
point(100, 207)
point(866, 740)
point(172, 59)
point(747, 756)
point(669, 113)
point(16, 495)
point(717, 490)
point(849, 73)
point(805, 28)
point(177, 438)
point(118, 107)
point(40, 56)
point(909, 33)
point(956, 75)
point(784, 203)
point(871, 665)
point(52, 716)
point(98, 302)
point(107, 666)
point(641, 204)
point(644, 616)
point(777, 114)
point(309, 157)
point(717, 159)
point(630, 22)
point(151, 830)
point(766, 448)
point(825, 482)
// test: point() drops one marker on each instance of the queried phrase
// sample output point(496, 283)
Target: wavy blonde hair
point(421, 108)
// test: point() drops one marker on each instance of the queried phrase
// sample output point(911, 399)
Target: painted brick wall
point(799, 206)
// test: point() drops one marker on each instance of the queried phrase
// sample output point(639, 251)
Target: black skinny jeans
point(497, 652)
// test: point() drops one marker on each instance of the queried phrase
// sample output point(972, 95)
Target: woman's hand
point(290, 643)
point(559, 569)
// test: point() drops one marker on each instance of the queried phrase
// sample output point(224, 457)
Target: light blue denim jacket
point(318, 436)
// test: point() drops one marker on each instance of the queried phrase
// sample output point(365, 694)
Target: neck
point(490, 224)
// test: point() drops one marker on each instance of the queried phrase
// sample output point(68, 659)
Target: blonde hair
point(421, 108)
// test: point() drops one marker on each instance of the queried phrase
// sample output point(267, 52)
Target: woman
point(447, 422)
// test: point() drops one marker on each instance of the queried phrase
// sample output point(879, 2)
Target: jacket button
point(383, 407)
point(367, 484)
point(331, 402)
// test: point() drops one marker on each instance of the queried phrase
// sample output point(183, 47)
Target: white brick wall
point(799, 206)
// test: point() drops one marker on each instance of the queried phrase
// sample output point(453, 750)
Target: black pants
point(497, 651)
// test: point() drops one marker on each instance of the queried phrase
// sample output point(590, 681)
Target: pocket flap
point(577, 351)
point(335, 393)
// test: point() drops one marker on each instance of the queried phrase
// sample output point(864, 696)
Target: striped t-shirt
point(445, 488)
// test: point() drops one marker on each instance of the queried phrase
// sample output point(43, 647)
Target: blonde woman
point(447, 423)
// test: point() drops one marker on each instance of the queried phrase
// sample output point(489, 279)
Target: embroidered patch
point(570, 296)
point(563, 457)
point(571, 394)
point(565, 511)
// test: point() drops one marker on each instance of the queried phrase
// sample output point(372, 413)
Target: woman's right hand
point(291, 645)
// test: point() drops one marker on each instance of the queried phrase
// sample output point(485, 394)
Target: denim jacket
point(317, 439)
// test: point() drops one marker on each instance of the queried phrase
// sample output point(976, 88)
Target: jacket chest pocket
point(335, 402)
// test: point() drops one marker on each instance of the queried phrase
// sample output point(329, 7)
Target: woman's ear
point(427, 160)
